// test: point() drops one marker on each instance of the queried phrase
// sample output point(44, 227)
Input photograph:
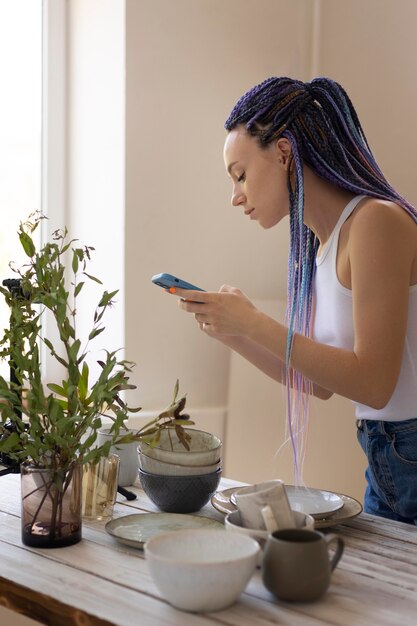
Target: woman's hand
point(227, 312)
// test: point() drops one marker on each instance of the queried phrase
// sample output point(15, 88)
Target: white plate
point(222, 502)
point(135, 530)
point(314, 502)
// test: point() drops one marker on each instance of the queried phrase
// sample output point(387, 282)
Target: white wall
point(371, 48)
point(96, 134)
point(188, 61)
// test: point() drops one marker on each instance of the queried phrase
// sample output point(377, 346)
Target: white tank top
point(333, 325)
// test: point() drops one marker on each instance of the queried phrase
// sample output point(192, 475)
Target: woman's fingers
point(191, 295)
point(224, 312)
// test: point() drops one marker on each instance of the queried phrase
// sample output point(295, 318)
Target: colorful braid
point(324, 131)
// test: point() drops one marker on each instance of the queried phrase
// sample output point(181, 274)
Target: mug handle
point(339, 548)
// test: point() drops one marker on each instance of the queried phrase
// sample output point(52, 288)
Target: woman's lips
point(249, 211)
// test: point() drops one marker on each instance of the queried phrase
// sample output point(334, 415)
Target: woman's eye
point(241, 178)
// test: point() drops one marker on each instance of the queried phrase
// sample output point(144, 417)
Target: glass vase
point(51, 505)
point(100, 482)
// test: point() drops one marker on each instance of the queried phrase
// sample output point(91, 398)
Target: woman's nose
point(237, 197)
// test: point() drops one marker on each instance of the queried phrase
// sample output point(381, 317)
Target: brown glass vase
point(51, 505)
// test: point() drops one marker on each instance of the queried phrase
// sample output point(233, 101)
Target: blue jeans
point(391, 448)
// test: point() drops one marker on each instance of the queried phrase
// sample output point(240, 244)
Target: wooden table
point(101, 582)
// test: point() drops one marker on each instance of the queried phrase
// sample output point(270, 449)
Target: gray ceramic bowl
point(179, 494)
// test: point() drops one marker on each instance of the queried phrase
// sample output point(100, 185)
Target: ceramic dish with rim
point(351, 508)
point(155, 466)
point(315, 502)
point(135, 530)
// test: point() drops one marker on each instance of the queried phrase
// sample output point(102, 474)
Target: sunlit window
point(20, 127)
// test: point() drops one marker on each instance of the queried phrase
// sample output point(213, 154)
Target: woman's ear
point(284, 151)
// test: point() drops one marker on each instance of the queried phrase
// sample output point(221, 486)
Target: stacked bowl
point(178, 480)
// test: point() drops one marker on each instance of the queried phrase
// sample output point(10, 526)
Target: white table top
point(101, 582)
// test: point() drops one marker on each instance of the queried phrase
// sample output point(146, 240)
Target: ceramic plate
point(134, 530)
point(315, 502)
point(349, 509)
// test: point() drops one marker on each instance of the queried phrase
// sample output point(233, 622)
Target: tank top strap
point(347, 211)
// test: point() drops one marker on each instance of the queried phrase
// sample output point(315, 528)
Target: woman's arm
point(381, 248)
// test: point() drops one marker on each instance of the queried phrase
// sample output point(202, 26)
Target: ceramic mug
point(128, 454)
point(296, 565)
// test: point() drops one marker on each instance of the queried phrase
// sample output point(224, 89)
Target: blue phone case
point(167, 280)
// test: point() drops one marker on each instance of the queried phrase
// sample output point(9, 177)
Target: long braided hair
point(324, 131)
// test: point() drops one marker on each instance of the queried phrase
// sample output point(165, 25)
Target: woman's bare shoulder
point(373, 211)
point(385, 231)
point(376, 218)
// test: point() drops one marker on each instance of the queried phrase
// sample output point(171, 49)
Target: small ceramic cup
point(296, 565)
point(253, 501)
point(128, 455)
point(233, 523)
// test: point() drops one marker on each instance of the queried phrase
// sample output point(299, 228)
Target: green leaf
point(96, 280)
point(107, 297)
point(27, 243)
point(176, 388)
point(75, 262)
point(73, 350)
point(78, 288)
point(57, 389)
point(10, 442)
point(83, 382)
point(95, 332)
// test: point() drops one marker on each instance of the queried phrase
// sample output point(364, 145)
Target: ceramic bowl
point(155, 466)
point(205, 448)
point(233, 523)
point(179, 494)
point(201, 570)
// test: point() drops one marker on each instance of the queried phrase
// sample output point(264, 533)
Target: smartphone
point(167, 281)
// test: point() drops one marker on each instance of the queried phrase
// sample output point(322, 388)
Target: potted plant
point(50, 427)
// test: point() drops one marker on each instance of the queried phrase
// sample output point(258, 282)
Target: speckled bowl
point(155, 466)
point(179, 494)
point(205, 448)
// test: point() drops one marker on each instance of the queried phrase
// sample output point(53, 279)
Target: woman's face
point(259, 177)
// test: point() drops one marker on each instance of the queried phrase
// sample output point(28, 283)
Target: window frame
point(53, 142)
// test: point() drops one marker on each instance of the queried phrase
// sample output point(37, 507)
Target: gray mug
point(296, 566)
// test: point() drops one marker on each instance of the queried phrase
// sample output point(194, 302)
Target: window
point(20, 127)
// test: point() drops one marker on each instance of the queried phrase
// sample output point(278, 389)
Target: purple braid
point(323, 128)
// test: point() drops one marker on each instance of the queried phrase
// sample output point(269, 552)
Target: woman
point(298, 148)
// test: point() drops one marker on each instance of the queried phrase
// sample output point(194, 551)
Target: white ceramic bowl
point(233, 523)
point(205, 448)
point(201, 570)
point(155, 466)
